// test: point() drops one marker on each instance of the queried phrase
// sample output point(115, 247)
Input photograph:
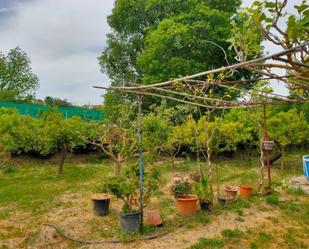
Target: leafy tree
point(57, 101)
point(16, 76)
point(116, 142)
point(66, 134)
point(157, 39)
point(155, 135)
point(23, 134)
point(288, 128)
point(183, 44)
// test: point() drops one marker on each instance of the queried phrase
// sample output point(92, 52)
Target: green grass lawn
point(33, 194)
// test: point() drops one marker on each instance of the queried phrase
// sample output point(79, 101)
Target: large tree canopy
point(16, 74)
point(136, 27)
point(185, 44)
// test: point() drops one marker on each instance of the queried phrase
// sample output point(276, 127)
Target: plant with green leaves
point(45, 136)
point(181, 188)
point(217, 136)
point(203, 190)
point(125, 185)
point(282, 27)
point(16, 77)
point(288, 128)
point(65, 134)
point(156, 132)
point(156, 40)
point(117, 142)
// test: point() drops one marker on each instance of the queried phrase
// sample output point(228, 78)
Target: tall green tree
point(288, 128)
point(185, 44)
point(16, 76)
point(154, 40)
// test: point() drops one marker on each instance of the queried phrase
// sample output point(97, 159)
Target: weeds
point(232, 234)
point(272, 200)
point(204, 243)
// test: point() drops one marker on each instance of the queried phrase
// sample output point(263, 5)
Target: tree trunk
point(282, 158)
point(173, 160)
point(63, 153)
point(118, 162)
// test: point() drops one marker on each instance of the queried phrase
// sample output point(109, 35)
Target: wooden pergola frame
point(191, 89)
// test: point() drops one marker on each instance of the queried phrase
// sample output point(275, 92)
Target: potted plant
point(204, 193)
point(125, 186)
point(101, 204)
point(186, 202)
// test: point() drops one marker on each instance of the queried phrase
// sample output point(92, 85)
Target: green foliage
point(265, 237)
point(45, 136)
point(289, 127)
point(118, 142)
point(125, 185)
point(181, 188)
point(118, 109)
point(282, 26)
point(232, 234)
point(16, 77)
point(204, 243)
point(154, 40)
point(156, 132)
point(56, 101)
point(272, 199)
point(174, 48)
point(203, 190)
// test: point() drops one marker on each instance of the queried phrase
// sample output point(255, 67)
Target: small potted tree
point(186, 202)
point(125, 186)
point(204, 193)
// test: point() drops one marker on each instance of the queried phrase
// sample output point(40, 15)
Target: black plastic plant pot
point(205, 205)
point(101, 204)
point(222, 201)
point(130, 222)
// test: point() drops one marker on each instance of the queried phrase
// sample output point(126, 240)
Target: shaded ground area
point(32, 195)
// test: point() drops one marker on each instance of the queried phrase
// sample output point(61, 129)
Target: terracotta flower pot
point(231, 192)
point(245, 191)
point(154, 218)
point(187, 205)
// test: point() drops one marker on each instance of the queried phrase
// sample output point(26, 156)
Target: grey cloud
point(63, 38)
point(3, 10)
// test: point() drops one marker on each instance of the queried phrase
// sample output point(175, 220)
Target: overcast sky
point(63, 38)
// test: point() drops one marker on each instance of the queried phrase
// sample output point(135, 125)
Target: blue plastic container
point(306, 166)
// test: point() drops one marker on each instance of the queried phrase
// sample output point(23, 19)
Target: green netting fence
point(68, 112)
